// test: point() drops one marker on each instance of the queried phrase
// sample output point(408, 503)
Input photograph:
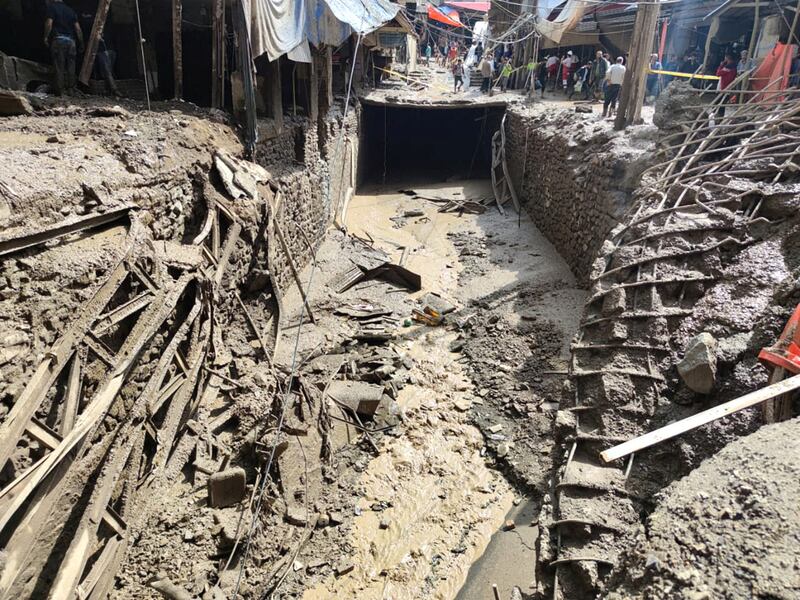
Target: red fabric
point(726, 73)
point(476, 6)
point(773, 73)
point(436, 15)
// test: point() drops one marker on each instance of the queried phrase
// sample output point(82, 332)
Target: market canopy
point(436, 14)
point(476, 6)
point(279, 27)
point(567, 19)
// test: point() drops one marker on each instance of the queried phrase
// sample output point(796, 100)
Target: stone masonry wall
point(575, 176)
point(312, 172)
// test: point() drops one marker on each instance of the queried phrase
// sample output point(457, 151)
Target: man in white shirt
point(615, 77)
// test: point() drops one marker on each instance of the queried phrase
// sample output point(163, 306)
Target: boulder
point(698, 369)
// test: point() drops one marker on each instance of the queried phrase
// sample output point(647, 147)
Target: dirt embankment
point(729, 529)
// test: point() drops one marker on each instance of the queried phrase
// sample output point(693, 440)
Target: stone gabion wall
point(575, 176)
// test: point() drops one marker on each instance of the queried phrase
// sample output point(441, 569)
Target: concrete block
point(227, 487)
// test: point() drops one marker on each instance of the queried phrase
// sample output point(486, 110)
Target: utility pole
point(634, 86)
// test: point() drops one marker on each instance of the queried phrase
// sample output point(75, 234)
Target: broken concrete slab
point(360, 397)
point(227, 487)
point(698, 368)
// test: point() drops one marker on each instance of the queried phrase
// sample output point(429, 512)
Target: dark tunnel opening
point(426, 145)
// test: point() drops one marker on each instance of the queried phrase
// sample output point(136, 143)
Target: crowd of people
point(598, 78)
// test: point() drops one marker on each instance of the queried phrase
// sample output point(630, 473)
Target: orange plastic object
point(786, 353)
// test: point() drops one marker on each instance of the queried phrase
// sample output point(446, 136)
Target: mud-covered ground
point(727, 530)
point(410, 518)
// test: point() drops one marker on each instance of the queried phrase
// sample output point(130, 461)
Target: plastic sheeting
point(566, 20)
point(772, 75)
point(476, 6)
point(435, 14)
point(279, 27)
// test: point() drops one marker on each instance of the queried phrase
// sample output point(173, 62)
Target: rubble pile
point(668, 331)
point(134, 387)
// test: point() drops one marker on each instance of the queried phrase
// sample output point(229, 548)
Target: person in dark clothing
point(581, 83)
point(61, 32)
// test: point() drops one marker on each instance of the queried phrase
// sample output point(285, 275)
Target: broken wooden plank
point(55, 359)
point(99, 567)
point(10, 242)
point(72, 394)
point(42, 434)
point(177, 47)
point(230, 244)
point(712, 414)
point(94, 41)
point(122, 312)
point(293, 268)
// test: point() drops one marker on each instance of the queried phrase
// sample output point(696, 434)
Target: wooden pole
point(94, 41)
point(634, 85)
point(675, 429)
point(218, 54)
point(177, 46)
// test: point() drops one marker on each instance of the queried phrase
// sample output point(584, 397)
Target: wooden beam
point(712, 414)
point(94, 41)
point(72, 394)
point(634, 85)
point(50, 368)
point(177, 46)
point(293, 268)
point(218, 54)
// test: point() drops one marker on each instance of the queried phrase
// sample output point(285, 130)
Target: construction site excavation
point(450, 300)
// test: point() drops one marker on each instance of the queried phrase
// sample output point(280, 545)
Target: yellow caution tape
point(677, 74)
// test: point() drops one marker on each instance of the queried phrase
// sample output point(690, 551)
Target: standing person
point(566, 70)
point(745, 63)
point(458, 75)
point(452, 54)
point(599, 71)
point(485, 67)
point(479, 50)
point(552, 68)
point(428, 52)
point(505, 73)
point(530, 74)
point(105, 63)
point(615, 77)
point(581, 83)
point(726, 71)
point(542, 76)
point(672, 65)
point(61, 30)
point(653, 87)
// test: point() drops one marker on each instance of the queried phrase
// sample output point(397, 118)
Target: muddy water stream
point(445, 502)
